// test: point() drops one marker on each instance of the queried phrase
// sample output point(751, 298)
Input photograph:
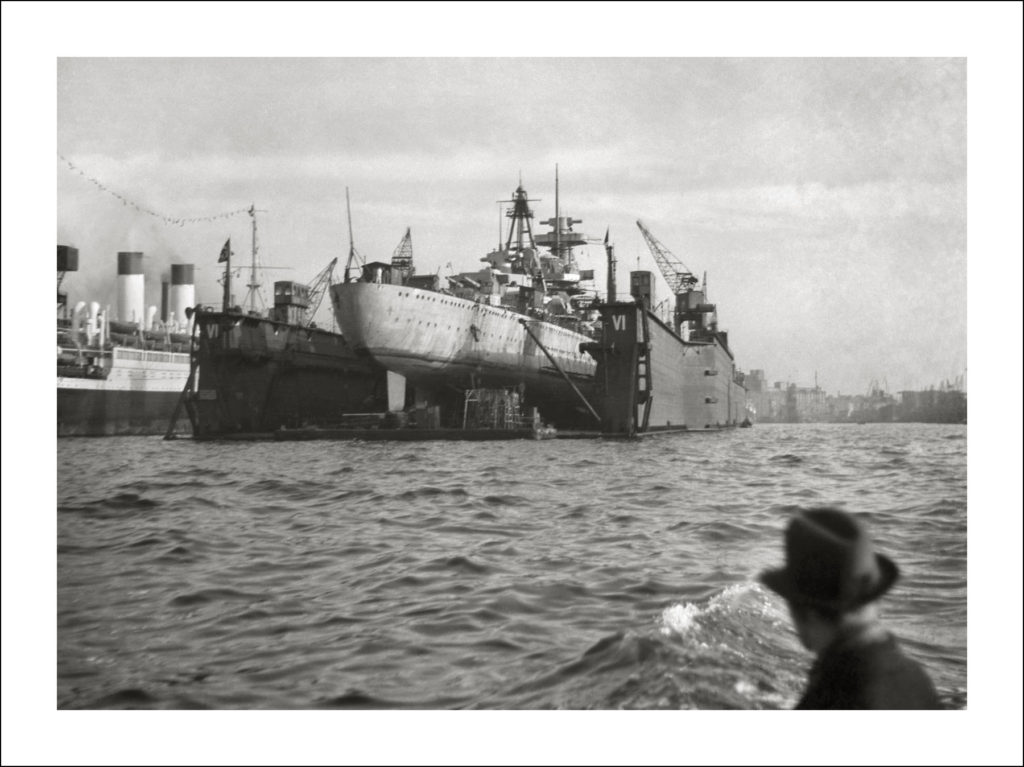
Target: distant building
point(932, 406)
point(783, 402)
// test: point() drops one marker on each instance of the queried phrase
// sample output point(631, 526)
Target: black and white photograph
point(602, 364)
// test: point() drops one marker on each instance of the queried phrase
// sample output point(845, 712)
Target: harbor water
point(565, 574)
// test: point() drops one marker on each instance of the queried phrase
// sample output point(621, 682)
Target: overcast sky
point(824, 198)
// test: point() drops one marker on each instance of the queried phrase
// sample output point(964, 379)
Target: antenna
point(348, 213)
point(558, 221)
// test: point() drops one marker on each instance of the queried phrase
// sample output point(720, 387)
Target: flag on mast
point(225, 252)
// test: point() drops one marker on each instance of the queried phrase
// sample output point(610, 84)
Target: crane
point(692, 311)
point(317, 288)
point(676, 273)
point(401, 259)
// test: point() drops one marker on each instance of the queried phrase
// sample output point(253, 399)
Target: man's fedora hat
point(830, 563)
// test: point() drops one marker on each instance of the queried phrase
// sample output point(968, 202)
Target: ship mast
point(609, 250)
point(253, 285)
point(252, 272)
point(558, 219)
point(352, 253)
point(520, 215)
point(562, 239)
point(226, 252)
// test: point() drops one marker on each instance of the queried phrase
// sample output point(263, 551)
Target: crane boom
point(402, 257)
point(676, 273)
point(354, 256)
point(318, 288)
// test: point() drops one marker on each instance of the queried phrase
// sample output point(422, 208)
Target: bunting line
point(175, 221)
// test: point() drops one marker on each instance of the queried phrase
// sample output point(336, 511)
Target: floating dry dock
point(487, 415)
point(390, 435)
point(652, 376)
point(261, 374)
point(531, 353)
point(431, 435)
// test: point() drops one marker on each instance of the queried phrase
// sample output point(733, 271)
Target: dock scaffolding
point(494, 409)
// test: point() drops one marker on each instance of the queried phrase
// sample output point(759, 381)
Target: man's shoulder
point(887, 677)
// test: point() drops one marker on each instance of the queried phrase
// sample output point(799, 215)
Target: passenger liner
point(518, 322)
point(120, 377)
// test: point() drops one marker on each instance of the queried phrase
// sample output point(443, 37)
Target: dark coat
point(853, 674)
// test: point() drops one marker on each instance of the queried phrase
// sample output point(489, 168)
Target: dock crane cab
point(296, 303)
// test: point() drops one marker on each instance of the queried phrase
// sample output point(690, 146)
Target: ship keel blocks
point(396, 392)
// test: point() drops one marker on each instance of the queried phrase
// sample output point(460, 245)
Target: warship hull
point(442, 344)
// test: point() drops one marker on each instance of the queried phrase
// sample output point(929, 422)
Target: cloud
point(817, 205)
point(800, 185)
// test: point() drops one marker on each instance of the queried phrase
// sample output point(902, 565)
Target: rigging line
point(178, 221)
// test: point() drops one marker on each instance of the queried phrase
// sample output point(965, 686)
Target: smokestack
point(131, 288)
point(67, 258)
point(165, 292)
point(183, 291)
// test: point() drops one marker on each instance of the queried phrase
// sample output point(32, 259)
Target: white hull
point(136, 370)
point(138, 395)
point(438, 339)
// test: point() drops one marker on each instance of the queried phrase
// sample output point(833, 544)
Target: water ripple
point(559, 574)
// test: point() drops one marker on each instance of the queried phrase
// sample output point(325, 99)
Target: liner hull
point(137, 396)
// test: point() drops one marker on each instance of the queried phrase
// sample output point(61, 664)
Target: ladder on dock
point(644, 379)
point(187, 398)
